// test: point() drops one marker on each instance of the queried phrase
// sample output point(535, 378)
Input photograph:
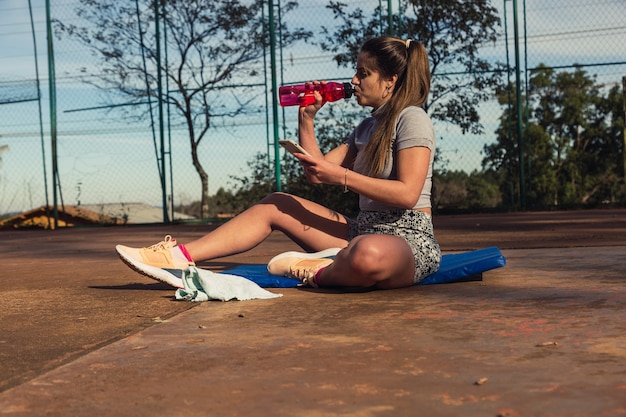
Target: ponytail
point(409, 61)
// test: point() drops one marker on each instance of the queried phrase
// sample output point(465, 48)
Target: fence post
point(162, 168)
point(53, 117)
point(518, 100)
point(277, 173)
point(624, 129)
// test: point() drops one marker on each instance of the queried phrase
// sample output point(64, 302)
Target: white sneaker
point(301, 265)
point(156, 261)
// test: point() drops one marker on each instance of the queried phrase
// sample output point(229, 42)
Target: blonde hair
point(409, 61)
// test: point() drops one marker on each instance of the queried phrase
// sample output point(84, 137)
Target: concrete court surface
point(82, 335)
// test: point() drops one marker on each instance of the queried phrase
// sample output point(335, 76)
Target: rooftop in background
point(89, 214)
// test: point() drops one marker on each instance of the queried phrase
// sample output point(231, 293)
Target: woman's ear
point(390, 83)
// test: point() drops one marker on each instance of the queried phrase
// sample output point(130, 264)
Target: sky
point(103, 158)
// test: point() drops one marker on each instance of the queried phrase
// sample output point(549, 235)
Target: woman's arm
point(404, 192)
point(306, 128)
point(340, 156)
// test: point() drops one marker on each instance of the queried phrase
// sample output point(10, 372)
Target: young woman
point(387, 160)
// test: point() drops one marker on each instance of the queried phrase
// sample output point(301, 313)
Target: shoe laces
point(305, 271)
point(302, 273)
point(165, 244)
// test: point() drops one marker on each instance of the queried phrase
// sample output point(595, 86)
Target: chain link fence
point(112, 154)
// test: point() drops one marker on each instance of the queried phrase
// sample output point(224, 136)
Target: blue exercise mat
point(454, 268)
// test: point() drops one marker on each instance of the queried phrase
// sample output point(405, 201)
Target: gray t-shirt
point(413, 128)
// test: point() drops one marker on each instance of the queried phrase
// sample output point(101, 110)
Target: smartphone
point(292, 147)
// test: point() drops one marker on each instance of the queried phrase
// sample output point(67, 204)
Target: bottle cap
point(348, 90)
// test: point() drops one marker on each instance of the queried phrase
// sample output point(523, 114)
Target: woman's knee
point(276, 198)
point(278, 202)
point(365, 257)
point(380, 258)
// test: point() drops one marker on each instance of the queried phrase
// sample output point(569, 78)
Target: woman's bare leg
point(379, 261)
point(308, 224)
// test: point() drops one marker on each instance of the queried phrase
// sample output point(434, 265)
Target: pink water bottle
point(302, 94)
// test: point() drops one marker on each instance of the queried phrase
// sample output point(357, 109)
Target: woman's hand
point(311, 110)
point(320, 171)
point(306, 128)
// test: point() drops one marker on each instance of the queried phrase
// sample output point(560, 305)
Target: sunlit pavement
point(544, 336)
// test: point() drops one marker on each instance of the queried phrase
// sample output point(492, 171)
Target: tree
point(453, 32)
point(502, 157)
point(572, 144)
point(210, 44)
point(457, 190)
point(449, 190)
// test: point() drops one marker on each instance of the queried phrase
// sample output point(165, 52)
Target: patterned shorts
point(414, 226)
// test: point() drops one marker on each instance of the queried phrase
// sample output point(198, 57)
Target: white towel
point(203, 285)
